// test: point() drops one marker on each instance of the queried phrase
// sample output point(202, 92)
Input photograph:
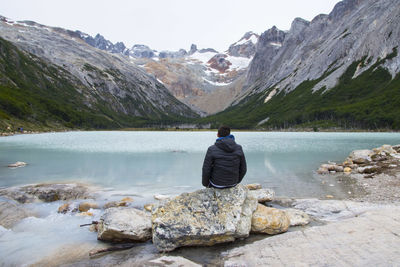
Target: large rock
point(46, 192)
point(297, 217)
point(173, 261)
point(269, 220)
point(11, 213)
point(124, 225)
point(263, 195)
point(361, 156)
point(204, 217)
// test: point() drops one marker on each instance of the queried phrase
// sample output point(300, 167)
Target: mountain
point(204, 79)
point(338, 70)
point(77, 79)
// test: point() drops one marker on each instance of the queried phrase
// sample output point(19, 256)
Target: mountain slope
point(108, 81)
point(339, 70)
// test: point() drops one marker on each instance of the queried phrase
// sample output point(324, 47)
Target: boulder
point(124, 225)
point(204, 217)
point(253, 186)
point(347, 170)
point(64, 208)
point(361, 156)
point(113, 204)
point(323, 171)
point(368, 169)
point(46, 192)
point(387, 149)
point(85, 206)
point(263, 195)
point(297, 217)
point(17, 164)
point(161, 197)
point(148, 207)
point(173, 261)
point(269, 220)
point(12, 213)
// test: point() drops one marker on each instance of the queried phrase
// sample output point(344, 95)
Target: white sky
point(167, 24)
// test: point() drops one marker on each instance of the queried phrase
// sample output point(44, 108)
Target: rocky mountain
point(112, 86)
point(192, 76)
point(338, 70)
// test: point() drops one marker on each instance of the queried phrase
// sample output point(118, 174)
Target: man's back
point(224, 164)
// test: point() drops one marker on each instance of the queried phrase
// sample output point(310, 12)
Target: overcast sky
point(167, 24)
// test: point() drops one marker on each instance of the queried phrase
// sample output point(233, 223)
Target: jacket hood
point(226, 144)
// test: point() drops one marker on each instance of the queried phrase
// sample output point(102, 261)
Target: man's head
point(224, 131)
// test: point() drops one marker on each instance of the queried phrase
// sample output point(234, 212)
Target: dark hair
point(224, 131)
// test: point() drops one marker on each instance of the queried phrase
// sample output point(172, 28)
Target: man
point(224, 165)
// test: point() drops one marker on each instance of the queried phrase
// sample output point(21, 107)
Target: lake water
point(142, 164)
point(148, 163)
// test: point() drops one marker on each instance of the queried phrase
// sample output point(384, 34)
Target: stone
point(124, 225)
point(253, 186)
point(85, 206)
point(322, 171)
point(297, 217)
point(361, 156)
point(203, 218)
point(17, 164)
point(269, 220)
point(148, 207)
point(127, 199)
point(368, 169)
point(46, 192)
point(112, 204)
point(64, 208)
point(173, 261)
point(161, 197)
point(85, 213)
point(12, 213)
point(347, 169)
point(387, 149)
point(263, 195)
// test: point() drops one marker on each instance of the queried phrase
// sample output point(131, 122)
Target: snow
point(238, 62)
point(254, 39)
point(160, 81)
point(270, 95)
point(215, 83)
point(203, 57)
point(275, 44)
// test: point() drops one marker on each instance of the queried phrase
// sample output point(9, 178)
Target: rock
point(253, 186)
point(269, 220)
point(361, 156)
point(93, 228)
point(348, 162)
point(113, 204)
point(263, 195)
point(203, 218)
point(17, 164)
point(12, 213)
point(329, 196)
point(297, 217)
point(124, 225)
point(368, 169)
point(46, 192)
point(85, 213)
point(387, 149)
point(323, 171)
point(127, 199)
point(85, 206)
point(173, 261)
point(347, 169)
point(396, 148)
point(161, 197)
point(64, 208)
point(148, 207)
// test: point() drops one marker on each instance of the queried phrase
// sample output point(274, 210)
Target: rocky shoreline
point(192, 229)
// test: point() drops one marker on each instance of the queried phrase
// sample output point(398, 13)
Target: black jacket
point(224, 164)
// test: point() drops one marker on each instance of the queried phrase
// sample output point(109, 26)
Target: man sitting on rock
point(224, 165)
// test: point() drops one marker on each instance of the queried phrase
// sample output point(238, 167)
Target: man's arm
point(242, 167)
point(207, 168)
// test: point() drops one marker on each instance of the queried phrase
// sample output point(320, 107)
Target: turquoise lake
point(147, 163)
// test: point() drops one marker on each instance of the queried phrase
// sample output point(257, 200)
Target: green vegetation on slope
point(370, 101)
point(36, 95)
